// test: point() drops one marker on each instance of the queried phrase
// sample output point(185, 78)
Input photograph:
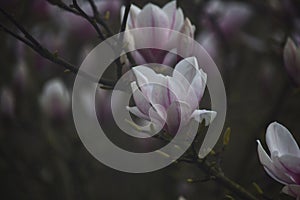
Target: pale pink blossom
point(284, 163)
point(291, 56)
point(170, 102)
point(230, 16)
point(169, 17)
point(7, 102)
point(55, 99)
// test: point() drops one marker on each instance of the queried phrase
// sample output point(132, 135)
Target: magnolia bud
point(55, 99)
point(291, 56)
point(185, 46)
point(20, 76)
point(7, 103)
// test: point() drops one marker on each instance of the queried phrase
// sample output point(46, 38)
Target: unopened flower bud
point(7, 103)
point(55, 99)
point(291, 56)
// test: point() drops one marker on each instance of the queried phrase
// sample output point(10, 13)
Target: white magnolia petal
point(186, 42)
point(175, 15)
point(198, 85)
point(186, 69)
point(269, 166)
point(170, 58)
point(152, 16)
point(147, 79)
point(280, 140)
point(144, 127)
point(160, 93)
point(292, 190)
point(177, 90)
point(136, 111)
point(178, 114)
point(134, 11)
point(146, 75)
point(139, 99)
point(187, 28)
point(158, 115)
point(207, 115)
point(138, 58)
point(291, 164)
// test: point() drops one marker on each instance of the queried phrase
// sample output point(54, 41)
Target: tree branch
point(219, 177)
point(122, 29)
point(30, 41)
point(89, 19)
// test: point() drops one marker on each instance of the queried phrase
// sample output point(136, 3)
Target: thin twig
point(48, 55)
point(121, 38)
point(21, 28)
point(89, 19)
point(225, 181)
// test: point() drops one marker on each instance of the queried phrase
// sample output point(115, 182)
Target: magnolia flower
point(169, 103)
point(168, 17)
point(284, 163)
point(230, 16)
point(55, 99)
point(209, 42)
point(7, 102)
point(291, 56)
point(20, 76)
point(74, 24)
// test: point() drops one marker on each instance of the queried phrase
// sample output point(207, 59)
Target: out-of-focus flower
point(55, 99)
point(7, 102)
point(42, 8)
point(209, 42)
point(181, 198)
point(170, 102)
point(79, 26)
point(292, 190)
point(230, 16)
point(291, 56)
point(168, 17)
point(284, 163)
point(20, 75)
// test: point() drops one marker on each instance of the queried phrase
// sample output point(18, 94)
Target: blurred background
point(41, 155)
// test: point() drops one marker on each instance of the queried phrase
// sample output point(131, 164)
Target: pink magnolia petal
point(280, 140)
point(136, 111)
point(134, 11)
point(198, 84)
point(207, 115)
point(138, 58)
point(178, 114)
point(152, 16)
point(186, 69)
point(292, 190)
point(186, 44)
point(290, 164)
point(170, 58)
point(175, 15)
point(270, 168)
point(154, 86)
point(139, 99)
point(158, 116)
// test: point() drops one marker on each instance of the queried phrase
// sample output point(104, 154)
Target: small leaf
point(227, 196)
point(55, 53)
point(189, 180)
point(226, 137)
point(107, 15)
point(258, 189)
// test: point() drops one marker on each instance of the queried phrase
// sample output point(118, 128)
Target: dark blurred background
point(41, 155)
